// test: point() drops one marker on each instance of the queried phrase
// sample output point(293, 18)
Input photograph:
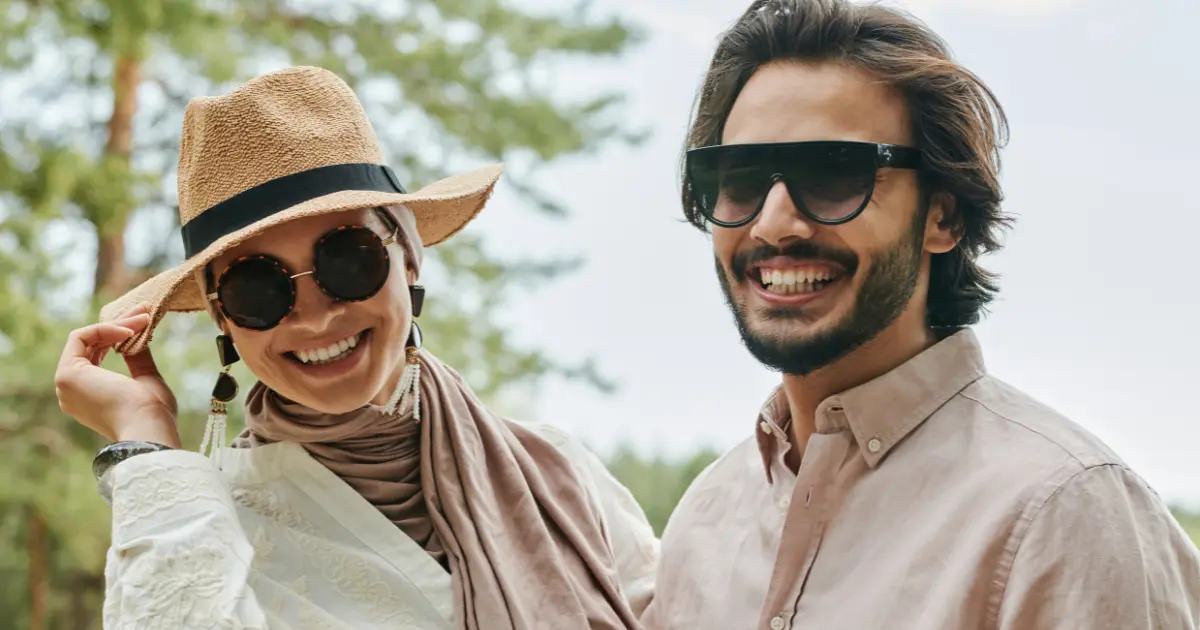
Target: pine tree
point(91, 100)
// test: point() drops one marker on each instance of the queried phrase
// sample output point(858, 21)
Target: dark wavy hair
point(956, 120)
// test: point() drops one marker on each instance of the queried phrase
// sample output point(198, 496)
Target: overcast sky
point(1098, 316)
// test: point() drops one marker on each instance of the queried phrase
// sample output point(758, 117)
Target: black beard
point(887, 288)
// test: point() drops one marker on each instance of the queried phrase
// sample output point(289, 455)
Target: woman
point(371, 489)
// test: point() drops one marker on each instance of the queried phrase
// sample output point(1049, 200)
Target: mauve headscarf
point(489, 499)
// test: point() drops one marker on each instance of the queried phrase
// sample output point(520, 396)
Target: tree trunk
point(36, 544)
point(86, 590)
point(111, 274)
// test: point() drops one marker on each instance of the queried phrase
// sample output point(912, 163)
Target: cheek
point(725, 242)
point(392, 304)
point(877, 230)
point(865, 241)
point(894, 206)
point(253, 347)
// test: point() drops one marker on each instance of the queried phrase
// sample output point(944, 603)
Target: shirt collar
point(882, 412)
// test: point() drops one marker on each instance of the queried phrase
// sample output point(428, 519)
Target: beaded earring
point(410, 380)
point(224, 391)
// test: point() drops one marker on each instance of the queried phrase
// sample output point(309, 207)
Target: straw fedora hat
point(290, 144)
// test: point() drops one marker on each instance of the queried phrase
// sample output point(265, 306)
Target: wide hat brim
point(441, 210)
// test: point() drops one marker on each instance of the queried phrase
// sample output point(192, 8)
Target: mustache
point(802, 250)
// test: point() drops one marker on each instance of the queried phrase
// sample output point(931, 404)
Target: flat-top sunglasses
point(829, 181)
point(350, 264)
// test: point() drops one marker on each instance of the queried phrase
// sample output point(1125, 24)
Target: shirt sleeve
point(1104, 553)
point(179, 557)
point(634, 544)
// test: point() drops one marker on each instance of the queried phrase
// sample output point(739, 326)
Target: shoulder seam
point(1017, 538)
point(1073, 456)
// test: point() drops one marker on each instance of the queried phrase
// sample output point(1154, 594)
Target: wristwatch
point(118, 452)
point(114, 454)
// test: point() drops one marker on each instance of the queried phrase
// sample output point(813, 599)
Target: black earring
point(226, 388)
point(417, 294)
point(224, 391)
point(414, 338)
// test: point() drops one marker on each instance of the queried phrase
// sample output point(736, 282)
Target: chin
point(795, 324)
point(795, 346)
point(343, 405)
point(785, 339)
point(332, 402)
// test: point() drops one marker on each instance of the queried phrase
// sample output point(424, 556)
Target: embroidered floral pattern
point(182, 540)
point(267, 504)
point(176, 588)
point(155, 487)
point(354, 578)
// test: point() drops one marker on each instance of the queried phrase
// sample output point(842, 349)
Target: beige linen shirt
point(933, 497)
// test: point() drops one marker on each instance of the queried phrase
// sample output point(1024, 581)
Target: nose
point(780, 221)
point(314, 309)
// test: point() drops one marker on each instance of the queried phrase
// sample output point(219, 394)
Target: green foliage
point(1190, 522)
point(448, 84)
point(659, 482)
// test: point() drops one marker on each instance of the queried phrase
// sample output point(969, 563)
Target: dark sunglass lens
point(703, 185)
point(727, 185)
point(741, 190)
point(255, 293)
point(351, 263)
point(833, 185)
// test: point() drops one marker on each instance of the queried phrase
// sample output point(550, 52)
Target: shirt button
point(766, 428)
point(784, 502)
point(874, 445)
point(777, 623)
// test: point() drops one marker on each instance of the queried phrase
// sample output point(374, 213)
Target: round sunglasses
point(350, 264)
point(829, 181)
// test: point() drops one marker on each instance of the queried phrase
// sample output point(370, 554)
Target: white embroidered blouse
point(268, 538)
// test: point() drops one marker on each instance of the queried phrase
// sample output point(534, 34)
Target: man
point(850, 184)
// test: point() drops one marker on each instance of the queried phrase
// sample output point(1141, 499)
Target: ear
point(214, 313)
point(218, 318)
point(943, 225)
point(410, 274)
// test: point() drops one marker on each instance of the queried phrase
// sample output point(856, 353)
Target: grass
point(1190, 522)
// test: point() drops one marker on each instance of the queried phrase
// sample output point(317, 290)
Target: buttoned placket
point(808, 512)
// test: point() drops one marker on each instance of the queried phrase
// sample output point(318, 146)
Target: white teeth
point(330, 353)
point(795, 280)
point(799, 287)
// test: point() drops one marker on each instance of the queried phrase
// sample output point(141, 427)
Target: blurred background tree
point(1190, 521)
point(91, 98)
point(93, 93)
point(657, 482)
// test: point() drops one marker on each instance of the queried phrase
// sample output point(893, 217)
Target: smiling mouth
point(794, 280)
point(332, 353)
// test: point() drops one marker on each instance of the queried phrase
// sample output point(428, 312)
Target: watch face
point(118, 452)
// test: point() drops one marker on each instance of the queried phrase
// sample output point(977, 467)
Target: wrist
point(158, 431)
